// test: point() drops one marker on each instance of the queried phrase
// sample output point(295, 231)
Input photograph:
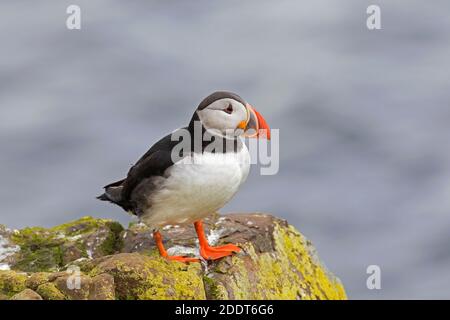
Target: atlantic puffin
point(170, 185)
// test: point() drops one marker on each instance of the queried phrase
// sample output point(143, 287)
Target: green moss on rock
point(276, 262)
point(292, 271)
point(36, 279)
point(139, 277)
point(12, 282)
point(81, 226)
point(49, 291)
point(39, 250)
point(53, 248)
point(214, 290)
point(113, 242)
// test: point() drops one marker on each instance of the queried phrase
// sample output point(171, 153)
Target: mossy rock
point(36, 279)
point(12, 282)
point(52, 249)
point(26, 294)
point(102, 287)
point(291, 271)
point(140, 277)
point(276, 262)
point(49, 291)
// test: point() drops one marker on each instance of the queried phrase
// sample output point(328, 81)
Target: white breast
point(197, 186)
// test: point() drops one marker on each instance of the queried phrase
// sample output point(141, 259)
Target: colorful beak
point(256, 126)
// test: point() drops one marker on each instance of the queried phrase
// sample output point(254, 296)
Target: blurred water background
point(364, 117)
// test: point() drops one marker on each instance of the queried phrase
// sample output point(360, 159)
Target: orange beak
point(256, 126)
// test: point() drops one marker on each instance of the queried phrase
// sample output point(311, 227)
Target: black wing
point(153, 163)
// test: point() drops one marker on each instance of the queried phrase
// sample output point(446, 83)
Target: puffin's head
point(227, 114)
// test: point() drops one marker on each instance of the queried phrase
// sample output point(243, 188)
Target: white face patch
point(223, 116)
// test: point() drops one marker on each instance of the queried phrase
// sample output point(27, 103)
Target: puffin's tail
point(113, 192)
point(103, 197)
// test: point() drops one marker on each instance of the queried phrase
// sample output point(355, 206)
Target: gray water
point(364, 117)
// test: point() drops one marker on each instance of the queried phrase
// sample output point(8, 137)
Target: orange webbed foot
point(214, 253)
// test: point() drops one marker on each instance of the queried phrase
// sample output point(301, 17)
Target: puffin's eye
point(229, 109)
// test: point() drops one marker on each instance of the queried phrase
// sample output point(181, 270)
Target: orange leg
point(163, 252)
point(212, 253)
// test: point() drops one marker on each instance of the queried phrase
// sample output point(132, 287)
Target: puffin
point(179, 181)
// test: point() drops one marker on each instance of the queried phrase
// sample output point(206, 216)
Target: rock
point(49, 291)
point(279, 264)
point(36, 279)
point(276, 262)
point(74, 287)
point(39, 249)
point(102, 288)
point(141, 277)
point(26, 294)
point(12, 282)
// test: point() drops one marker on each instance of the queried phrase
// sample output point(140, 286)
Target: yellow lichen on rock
point(142, 277)
point(12, 282)
point(276, 262)
point(49, 291)
point(36, 279)
point(317, 281)
point(291, 271)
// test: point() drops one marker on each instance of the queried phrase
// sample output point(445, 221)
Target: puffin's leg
point(163, 252)
point(212, 253)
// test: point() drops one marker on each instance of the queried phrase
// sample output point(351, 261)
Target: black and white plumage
point(161, 191)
